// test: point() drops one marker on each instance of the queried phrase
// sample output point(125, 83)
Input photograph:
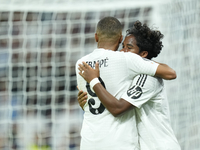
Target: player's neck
point(108, 46)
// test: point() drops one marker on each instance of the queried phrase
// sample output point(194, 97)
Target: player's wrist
point(93, 82)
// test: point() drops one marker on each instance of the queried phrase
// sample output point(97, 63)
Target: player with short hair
point(100, 129)
point(146, 95)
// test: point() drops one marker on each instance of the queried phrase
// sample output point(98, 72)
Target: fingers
point(81, 74)
point(82, 104)
point(79, 93)
point(86, 65)
point(97, 66)
point(87, 72)
point(81, 67)
point(81, 70)
point(82, 98)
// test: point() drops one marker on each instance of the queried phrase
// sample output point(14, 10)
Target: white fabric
point(152, 113)
point(100, 129)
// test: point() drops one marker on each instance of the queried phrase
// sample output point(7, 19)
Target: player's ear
point(144, 54)
point(121, 39)
point(96, 37)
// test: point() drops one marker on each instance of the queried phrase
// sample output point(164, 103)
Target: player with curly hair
point(147, 40)
point(146, 94)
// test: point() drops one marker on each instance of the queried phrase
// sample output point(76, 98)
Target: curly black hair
point(147, 39)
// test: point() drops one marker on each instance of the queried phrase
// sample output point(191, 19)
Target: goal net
point(40, 42)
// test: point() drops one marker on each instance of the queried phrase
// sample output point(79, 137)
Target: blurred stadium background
point(40, 42)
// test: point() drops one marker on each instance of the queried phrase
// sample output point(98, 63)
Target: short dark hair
point(147, 39)
point(109, 28)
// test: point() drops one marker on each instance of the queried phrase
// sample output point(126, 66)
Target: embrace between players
point(124, 101)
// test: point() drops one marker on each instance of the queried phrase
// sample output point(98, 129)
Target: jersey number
point(91, 101)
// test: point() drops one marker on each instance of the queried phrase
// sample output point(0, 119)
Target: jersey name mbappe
point(102, 62)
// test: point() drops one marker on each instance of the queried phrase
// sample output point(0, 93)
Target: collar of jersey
point(100, 49)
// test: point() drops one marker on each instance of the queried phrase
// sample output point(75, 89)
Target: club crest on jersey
point(134, 92)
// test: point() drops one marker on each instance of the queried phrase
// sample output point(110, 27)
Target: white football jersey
point(100, 129)
point(152, 113)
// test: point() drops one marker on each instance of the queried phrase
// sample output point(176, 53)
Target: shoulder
point(80, 60)
point(130, 58)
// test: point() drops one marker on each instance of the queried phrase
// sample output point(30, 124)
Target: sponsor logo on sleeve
point(136, 90)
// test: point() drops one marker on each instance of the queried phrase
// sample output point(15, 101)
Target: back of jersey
point(101, 129)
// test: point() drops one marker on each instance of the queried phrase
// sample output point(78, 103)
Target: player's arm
point(141, 66)
point(165, 72)
point(113, 105)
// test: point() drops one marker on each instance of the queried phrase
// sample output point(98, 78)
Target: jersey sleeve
point(142, 89)
point(138, 65)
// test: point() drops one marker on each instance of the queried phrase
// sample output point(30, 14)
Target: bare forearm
point(165, 72)
point(113, 105)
